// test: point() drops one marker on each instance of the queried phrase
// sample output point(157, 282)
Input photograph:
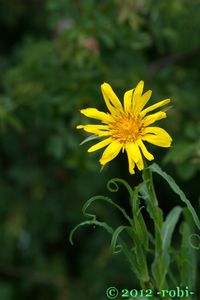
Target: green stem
point(157, 216)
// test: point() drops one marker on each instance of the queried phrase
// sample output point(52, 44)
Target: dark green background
point(54, 55)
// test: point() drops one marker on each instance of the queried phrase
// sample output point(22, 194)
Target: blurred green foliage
point(53, 57)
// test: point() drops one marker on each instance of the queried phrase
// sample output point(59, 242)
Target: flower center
point(126, 128)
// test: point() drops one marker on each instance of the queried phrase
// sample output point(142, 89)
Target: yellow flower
point(127, 127)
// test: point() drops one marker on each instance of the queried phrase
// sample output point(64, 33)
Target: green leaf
point(115, 187)
point(141, 230)
point(155, 168)
point(90, 222)
point(113, 244)
point(187, 257)
point(135, 201)
point(160, 268)
point(195, 241)
point(95, 198)
point(151, 201)
point(169, 226)
point(89, 138)
point(141, 259)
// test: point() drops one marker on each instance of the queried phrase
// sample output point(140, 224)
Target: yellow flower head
point(126, 128)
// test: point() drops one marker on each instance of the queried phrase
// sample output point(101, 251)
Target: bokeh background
point(54, 55)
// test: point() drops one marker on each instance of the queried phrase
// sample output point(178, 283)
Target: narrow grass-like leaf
point(187, 258)
point(135, 201)
point(195, 241)
point(90, 222)
point(138, 221)
point(141, 230)
point(141, 259)
point(89, 138)
point(106, 199)
point(155, 168)
point(160, 268)
point(169, 226)
point(114, 181)
point(114, 240)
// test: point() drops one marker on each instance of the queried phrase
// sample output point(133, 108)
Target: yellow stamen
point(126, 128)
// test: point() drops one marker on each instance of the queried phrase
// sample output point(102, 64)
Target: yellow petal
point(111, 99)
point(96, 114)
point(153, 118)
point(139, 88)
point(144, 150)
point(97, 126)
point(154, 106)
point(110, 152)
point(134, 156)
point(140, 163)
point(128, 96)
point(100, 145)
point(100, 130)
point(142, 101)
point(157, 136)
point(145, 98)
point(131, 163)
point(137, 96)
